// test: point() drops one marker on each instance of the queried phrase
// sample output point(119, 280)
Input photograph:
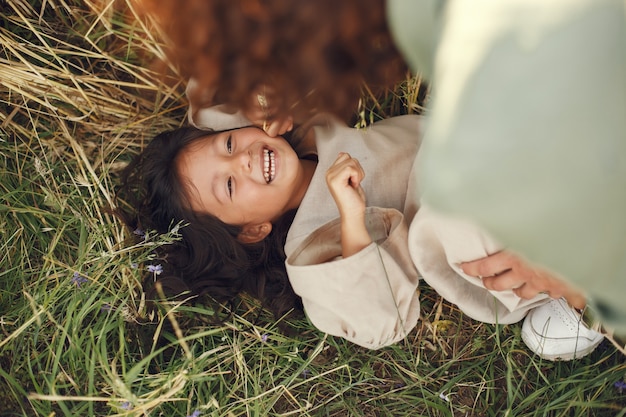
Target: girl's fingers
point(357, 173)
point(346, 167)
point(342, 156)
point(345, 172)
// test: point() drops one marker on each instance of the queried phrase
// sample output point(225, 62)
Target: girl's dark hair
point(208, 261)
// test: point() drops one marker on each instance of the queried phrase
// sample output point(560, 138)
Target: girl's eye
point(229, 184)
point(229, 145)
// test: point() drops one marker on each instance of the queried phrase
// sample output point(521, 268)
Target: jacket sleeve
point(439, 244)
point(369, 298)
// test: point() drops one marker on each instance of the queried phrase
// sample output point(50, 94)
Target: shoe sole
point(535, 347)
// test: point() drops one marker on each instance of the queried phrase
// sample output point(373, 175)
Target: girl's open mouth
point(269, 165)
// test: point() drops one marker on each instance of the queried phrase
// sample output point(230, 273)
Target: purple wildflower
point(126, 405)
point(620, 385)
point(106, 307)
point(78, 280)
point(134, 265)
point(306, 373)
point(264, 338)
point(195, 414)
point(155, 269)
point(140, 233)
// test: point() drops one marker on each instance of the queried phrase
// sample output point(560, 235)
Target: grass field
point(79, 96)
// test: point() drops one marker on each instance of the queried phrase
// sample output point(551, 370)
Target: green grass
point(79, 96)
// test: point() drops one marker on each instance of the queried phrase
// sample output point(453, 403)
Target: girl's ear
point(253, 233)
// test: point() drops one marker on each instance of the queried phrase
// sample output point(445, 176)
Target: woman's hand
point(344, 182)
point(506, 271)
point(263, 115)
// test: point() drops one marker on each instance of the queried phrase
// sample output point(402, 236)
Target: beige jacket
point(371, 298)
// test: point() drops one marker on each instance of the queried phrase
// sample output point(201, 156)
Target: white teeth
point(269, 167)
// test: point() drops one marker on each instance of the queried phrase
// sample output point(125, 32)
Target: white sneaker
point(555, 331)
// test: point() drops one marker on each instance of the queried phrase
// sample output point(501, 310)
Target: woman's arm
point(505, 270)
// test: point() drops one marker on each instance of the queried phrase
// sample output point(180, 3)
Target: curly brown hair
point(310, 55)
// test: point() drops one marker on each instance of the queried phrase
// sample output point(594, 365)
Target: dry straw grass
point(79, 96)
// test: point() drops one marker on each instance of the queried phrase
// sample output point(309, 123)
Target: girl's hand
point(506, 271)
point(344, 182)
point(263, 115)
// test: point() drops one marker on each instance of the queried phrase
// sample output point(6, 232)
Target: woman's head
point(243, 177)
point(315, 53)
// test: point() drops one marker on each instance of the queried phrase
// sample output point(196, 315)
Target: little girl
point(358, 239)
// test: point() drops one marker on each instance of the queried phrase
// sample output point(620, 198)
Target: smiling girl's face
point(242, 176)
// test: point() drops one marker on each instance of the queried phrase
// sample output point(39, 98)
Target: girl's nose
point(244, 160)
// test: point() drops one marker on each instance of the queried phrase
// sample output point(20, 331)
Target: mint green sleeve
point(527, 132)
